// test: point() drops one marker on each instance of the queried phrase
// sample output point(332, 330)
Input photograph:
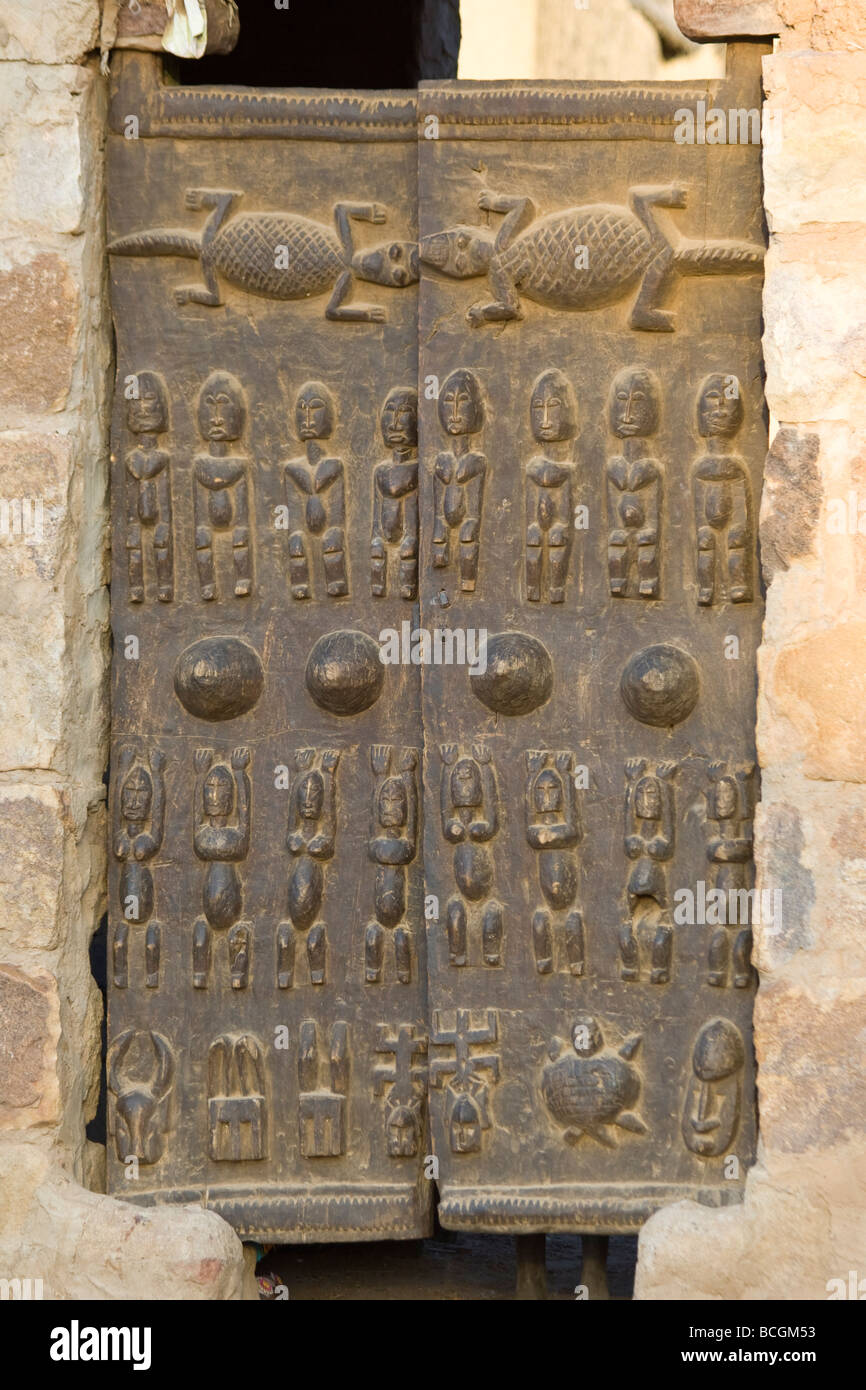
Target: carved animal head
point(393, 263)
point(140, 1076)
point(461, 252)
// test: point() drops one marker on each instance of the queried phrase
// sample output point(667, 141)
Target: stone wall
point(803, 1223)
point(55, 366)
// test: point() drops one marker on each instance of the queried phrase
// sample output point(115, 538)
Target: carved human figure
point(711, 1113)
point(723, 503)
point(395, 497)
point(404, 1083)
point(649, 842)
point(634, 487)
point(221, 838)
point(237, 1108)
point(311, 840)
point(469, 805)
point(221, 484)
point(548, 487)
point(458, 477)
point(552, 828)
point(138, 838)
point(148, 489)
point(730, 847)
point(467, 1077)
point(140, 1067)
point(322, 1109)
point(317, 484)
point(392, 846)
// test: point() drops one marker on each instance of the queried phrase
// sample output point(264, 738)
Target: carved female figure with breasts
point(311, 842)
point(221, 839)
point(148, 489)
point(548, 484)
point(649, 841)
point(469, 803)
point(317, 480)
point(552, 829)
point(221, 488)
point(137, 841)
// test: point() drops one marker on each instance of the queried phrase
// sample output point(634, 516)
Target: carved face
point(221, 411)
point(648, 799)
point(461, 252)
point(551, 408)
point(586, 1036)
point(634, 404)
point(402, 1132)
point(392, 804)
point(400, 419)
point(148, 414)
point(548, 791)
point(720, 407)
point(219, 792)
point(466, 783)
point(718, 1051)
point(725, 798)
point(460, 409)
point(311, 796)
point(136, 796)
point(465, 1126)
point(314, 412)
point(394, 263)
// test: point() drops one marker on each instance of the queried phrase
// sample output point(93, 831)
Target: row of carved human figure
point(589, 1086)
point(314, 513)
point(471, 815)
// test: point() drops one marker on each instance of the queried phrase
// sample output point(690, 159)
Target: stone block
point(29, 1034)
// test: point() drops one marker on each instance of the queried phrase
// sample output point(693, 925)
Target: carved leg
point(654, 286)
point(201, 949)
point(575, 949)
point(505, 308)
point(617, 569)
point(351, 313)
point(135, 563)
point(285, 956)
point(648, 570)
point(299, 569)
point(204, 561)
point(374, 952)
point(628, 953)
point(531, 1267)
point(403, 954)
point(456, 926)
point(542, 941)
point(240, 938)
point(717, 959)
point(316, 953)
point(151, 955)
point(334, 561)
point(120, 955)
point(441, 543)
point(491, 934)
point(533, 570)
point(660, 956)
point(378, 570)
point(558, 572)
point(743, 959)
point(706, 565)
point(593, 1268)
point(409, 568)
point(738, 575)
point(163, 562)
point(468, 565)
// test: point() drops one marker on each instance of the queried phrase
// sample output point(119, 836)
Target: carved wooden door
point(375, 923)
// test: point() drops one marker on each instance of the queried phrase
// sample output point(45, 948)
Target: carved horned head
point(139, 1077)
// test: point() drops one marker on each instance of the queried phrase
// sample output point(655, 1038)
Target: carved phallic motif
point(221, 484)
point(236, 1104)
point(222, 802)
point(583, 257)
point(218, 678)
point(458, 478)
point(634, 487)
point(661, 685)
point(553, 828)
point(650, 818)
point(724, 527)
point(322, 1109)
point(406, 1084)
point(711, 1113)
point(280, 255)
point(469, 806)
point(395, 497)
point(344, 674)
point(148, 488)
point(730, 848)
point(468, 1076)
point(141, 1070)
point(548, 486)
point(392, 846)
point(518, 677)
point(317, 479)
point(593, 1092)
point(310, 841)
point(140, 820)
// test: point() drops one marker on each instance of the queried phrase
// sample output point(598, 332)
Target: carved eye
point(622, 395)
point(463, 241)
point(395, 251)
point(554, 401)
point(537, 405)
